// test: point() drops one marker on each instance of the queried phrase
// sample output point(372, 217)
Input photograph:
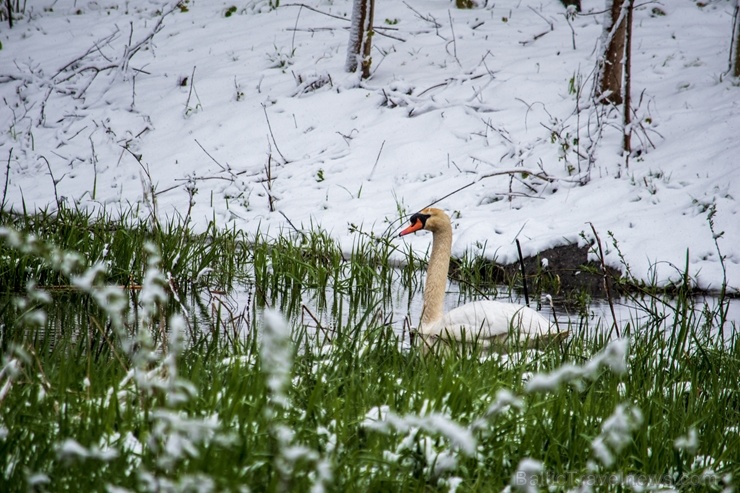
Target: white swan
point(488, 323)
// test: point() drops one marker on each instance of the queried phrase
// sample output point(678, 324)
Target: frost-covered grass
point(133, 383)
point(116, 240)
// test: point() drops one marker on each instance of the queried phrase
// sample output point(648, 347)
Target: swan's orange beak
point(416, 225)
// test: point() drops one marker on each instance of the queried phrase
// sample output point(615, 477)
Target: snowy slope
point(208, 105)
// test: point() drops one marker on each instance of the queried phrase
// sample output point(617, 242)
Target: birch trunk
point(735, 49)
point(360, 37)
point(610, 80)
point(627, 89)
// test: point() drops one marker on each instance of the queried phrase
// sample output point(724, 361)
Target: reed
point(170, 386)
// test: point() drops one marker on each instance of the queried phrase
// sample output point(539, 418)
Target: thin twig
point(190, 92)
point(94, 322)
point(606, 281)
point(549, 22)
point(554, 314)
point(295, 28)
point(524, 272)
point(510, 172)
point(429, 19)
point(379, 30)
point(572, 31)
point(95, 47)
point(441, 84)
point(292, 225)
point(327, 336)
point(454, 41)
point(151, 189)
point(212, 158)
point(7, 176)
point(269, 127)
point(303, 5)
point(121, 64)
point(268, 188)
point(376, 161)
point(53, 180)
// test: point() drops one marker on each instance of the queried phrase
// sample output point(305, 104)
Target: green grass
point(135, 397)
point(117, 240)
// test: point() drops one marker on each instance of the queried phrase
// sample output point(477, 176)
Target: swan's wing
point(491, 322)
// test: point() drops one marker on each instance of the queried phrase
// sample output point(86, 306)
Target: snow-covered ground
point(105, 101)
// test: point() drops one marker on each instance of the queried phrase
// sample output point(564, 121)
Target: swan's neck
point(436, 283)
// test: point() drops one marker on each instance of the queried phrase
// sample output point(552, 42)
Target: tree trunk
point(735, 49)
point(10, 13)
point(360, 37)
point(367, 43)
point(610, 80)
point(626, 94)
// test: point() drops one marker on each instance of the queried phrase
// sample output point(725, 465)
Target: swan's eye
point(422, 218)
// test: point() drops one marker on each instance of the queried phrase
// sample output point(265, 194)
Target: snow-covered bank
point(228, 110)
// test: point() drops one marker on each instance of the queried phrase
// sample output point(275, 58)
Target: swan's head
point(431, 219)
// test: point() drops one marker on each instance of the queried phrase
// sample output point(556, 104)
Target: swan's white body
point(486, 323)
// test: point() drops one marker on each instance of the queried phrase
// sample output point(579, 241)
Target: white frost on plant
point(330, 438)
point(322, 476)
point(184, 482)
point(376, 414)
point(175, 435)
point(527, 477)
point(38, 295)
point(86, 281)
point(613, 357)
point(71, 449)
point(10, 370)
point(110, 298)
point(152, 286)
point(276, 356)
point(164, 375)
point(452, 483)
point(109, 488)
point(35, 317)
point(688, 442)
point(202, 273)
point(276, 353)
point(417, 449)
point(245, 360)
point(502, 403)
point(622, 389)
point(381, 419)
point(176, 340)
point(616, 433)
point(36, 481)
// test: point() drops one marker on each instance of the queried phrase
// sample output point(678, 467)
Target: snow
point(381, 418)
point(277, 355)
point(209, 104)
point(71, 449)
point(690, 442)
point(613, 356)
point(527, 476)
point(616, 433)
